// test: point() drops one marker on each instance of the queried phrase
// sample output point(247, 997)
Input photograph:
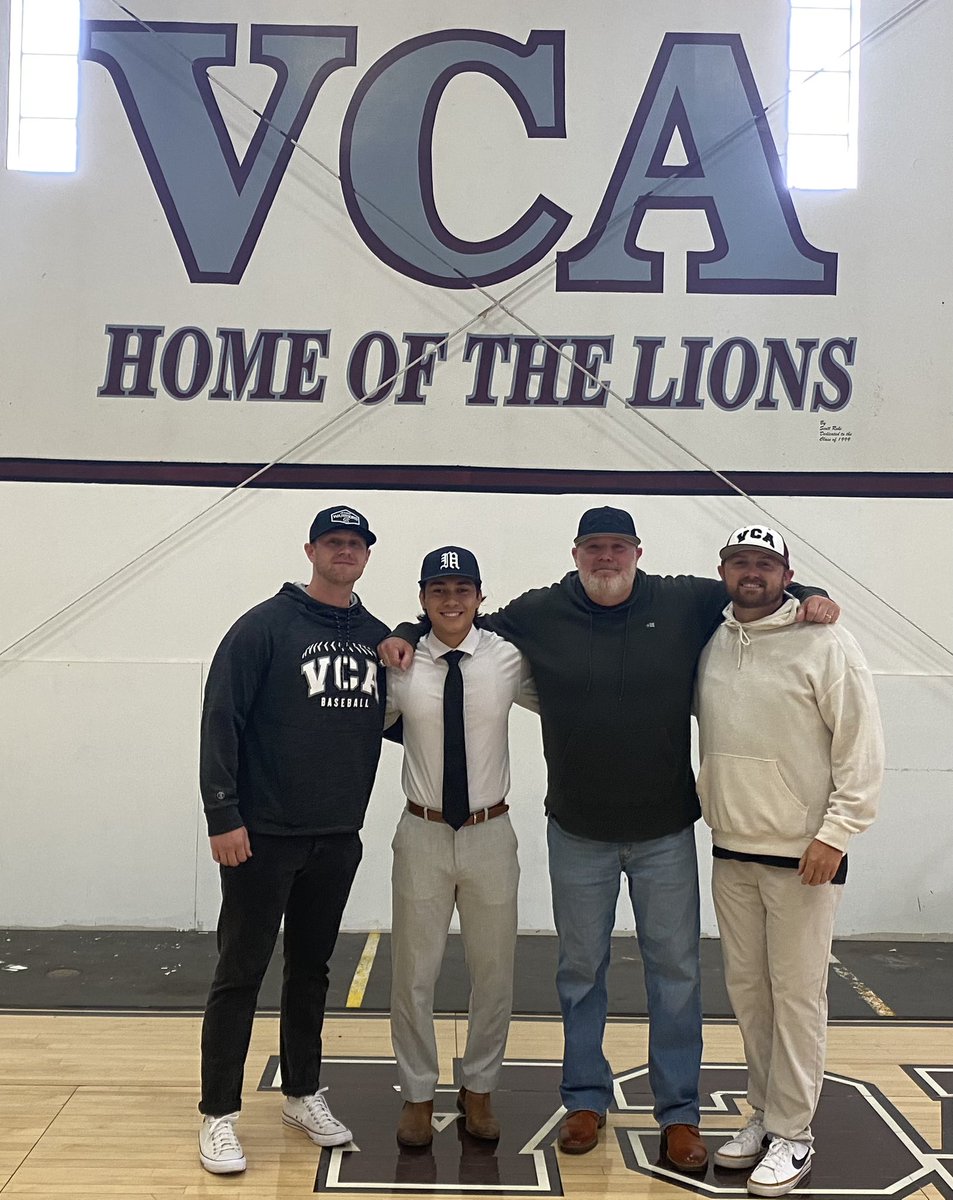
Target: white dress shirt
point(495, 677)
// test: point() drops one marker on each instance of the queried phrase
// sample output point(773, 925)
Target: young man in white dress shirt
point(454, 844)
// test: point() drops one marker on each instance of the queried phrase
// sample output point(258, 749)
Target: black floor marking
point(865, 1146)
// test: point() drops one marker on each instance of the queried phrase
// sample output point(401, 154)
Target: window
point(823, 69)
point(44, 78)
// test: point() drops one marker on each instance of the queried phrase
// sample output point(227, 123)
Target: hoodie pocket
point(748, 797)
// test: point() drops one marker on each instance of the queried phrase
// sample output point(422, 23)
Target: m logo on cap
point(449, 560)
point(344, 516)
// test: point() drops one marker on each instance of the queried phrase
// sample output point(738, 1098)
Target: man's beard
point(765, 599)
point(608, 589)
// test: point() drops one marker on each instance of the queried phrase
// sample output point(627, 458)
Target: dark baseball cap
point(450, 560)
point(606, 522)
point(340, 518)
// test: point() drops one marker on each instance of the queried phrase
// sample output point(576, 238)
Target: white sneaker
point(782, 1168)
point(745, 1148)
point(312, 1116)
point(220, 1151)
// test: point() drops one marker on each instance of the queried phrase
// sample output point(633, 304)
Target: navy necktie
point(456, 793)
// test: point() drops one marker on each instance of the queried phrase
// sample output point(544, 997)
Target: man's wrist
point(223, 820)
point(411, 631)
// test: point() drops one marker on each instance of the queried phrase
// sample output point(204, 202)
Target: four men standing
point(614, 653)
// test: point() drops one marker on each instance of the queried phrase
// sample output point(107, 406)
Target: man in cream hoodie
point(791, 766)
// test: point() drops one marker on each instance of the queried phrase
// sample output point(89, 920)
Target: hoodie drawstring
point(743, 640)
point(342, 619)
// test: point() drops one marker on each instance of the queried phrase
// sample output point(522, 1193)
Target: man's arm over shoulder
point(510, 622)
point(507, 622)
point(519, 620)
point(814, 604)
point(850, 710)
point(397, 649)
point(708, 595)
point(234, 678)
point(712, 597)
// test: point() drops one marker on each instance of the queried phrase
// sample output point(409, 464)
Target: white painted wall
point(100, 820)
point(99, 711)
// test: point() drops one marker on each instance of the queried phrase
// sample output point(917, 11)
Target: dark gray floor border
point(365, 1015)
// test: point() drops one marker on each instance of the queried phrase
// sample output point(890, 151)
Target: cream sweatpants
point(776, 942)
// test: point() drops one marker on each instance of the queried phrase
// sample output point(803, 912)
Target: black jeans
point(306, 880)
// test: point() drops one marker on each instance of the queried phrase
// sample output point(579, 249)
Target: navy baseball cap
point(450, 560)
point(606, 522)
point(340, 518)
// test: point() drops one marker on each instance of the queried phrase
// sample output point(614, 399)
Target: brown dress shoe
point(415, 1127)
point(480, 1121)
point(683, 1147)
point(579, 1131)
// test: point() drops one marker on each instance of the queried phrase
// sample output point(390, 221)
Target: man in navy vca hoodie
point(291, 736)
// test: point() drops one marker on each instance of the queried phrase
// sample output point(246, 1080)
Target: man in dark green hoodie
point(291, 735)
point(613, 652)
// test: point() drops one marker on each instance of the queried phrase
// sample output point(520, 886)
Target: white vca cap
point(756, 537)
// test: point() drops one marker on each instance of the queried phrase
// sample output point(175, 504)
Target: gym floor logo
point(871, 1148)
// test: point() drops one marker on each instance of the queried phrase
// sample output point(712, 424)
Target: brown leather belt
point(477, 818)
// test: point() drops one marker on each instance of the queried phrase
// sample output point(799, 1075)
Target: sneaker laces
point(780, 1150)
point(317, 1106)
point(223, 1138)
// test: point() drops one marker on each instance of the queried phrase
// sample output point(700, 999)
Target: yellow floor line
point(362, 972)
point(880, 1007)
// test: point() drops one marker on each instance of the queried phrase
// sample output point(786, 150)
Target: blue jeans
point(663, 886)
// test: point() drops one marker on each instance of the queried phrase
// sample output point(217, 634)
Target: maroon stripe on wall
point(896, 484)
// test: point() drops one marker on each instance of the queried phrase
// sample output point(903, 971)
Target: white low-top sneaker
point(312, 1116)
point(783, 1167)
point(220, 1151)
point(745, 1148)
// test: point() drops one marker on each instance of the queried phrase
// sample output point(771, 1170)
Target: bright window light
point(823, 70)
point(44, 83)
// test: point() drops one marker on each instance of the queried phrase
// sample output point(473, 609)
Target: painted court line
point(362, 972)
point(869, 997)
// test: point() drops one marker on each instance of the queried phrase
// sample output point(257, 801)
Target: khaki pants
point(435, 868)
point(776, 941)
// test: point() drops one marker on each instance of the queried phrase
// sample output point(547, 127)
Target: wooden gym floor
point(97, 1103)
point(104, 1106)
